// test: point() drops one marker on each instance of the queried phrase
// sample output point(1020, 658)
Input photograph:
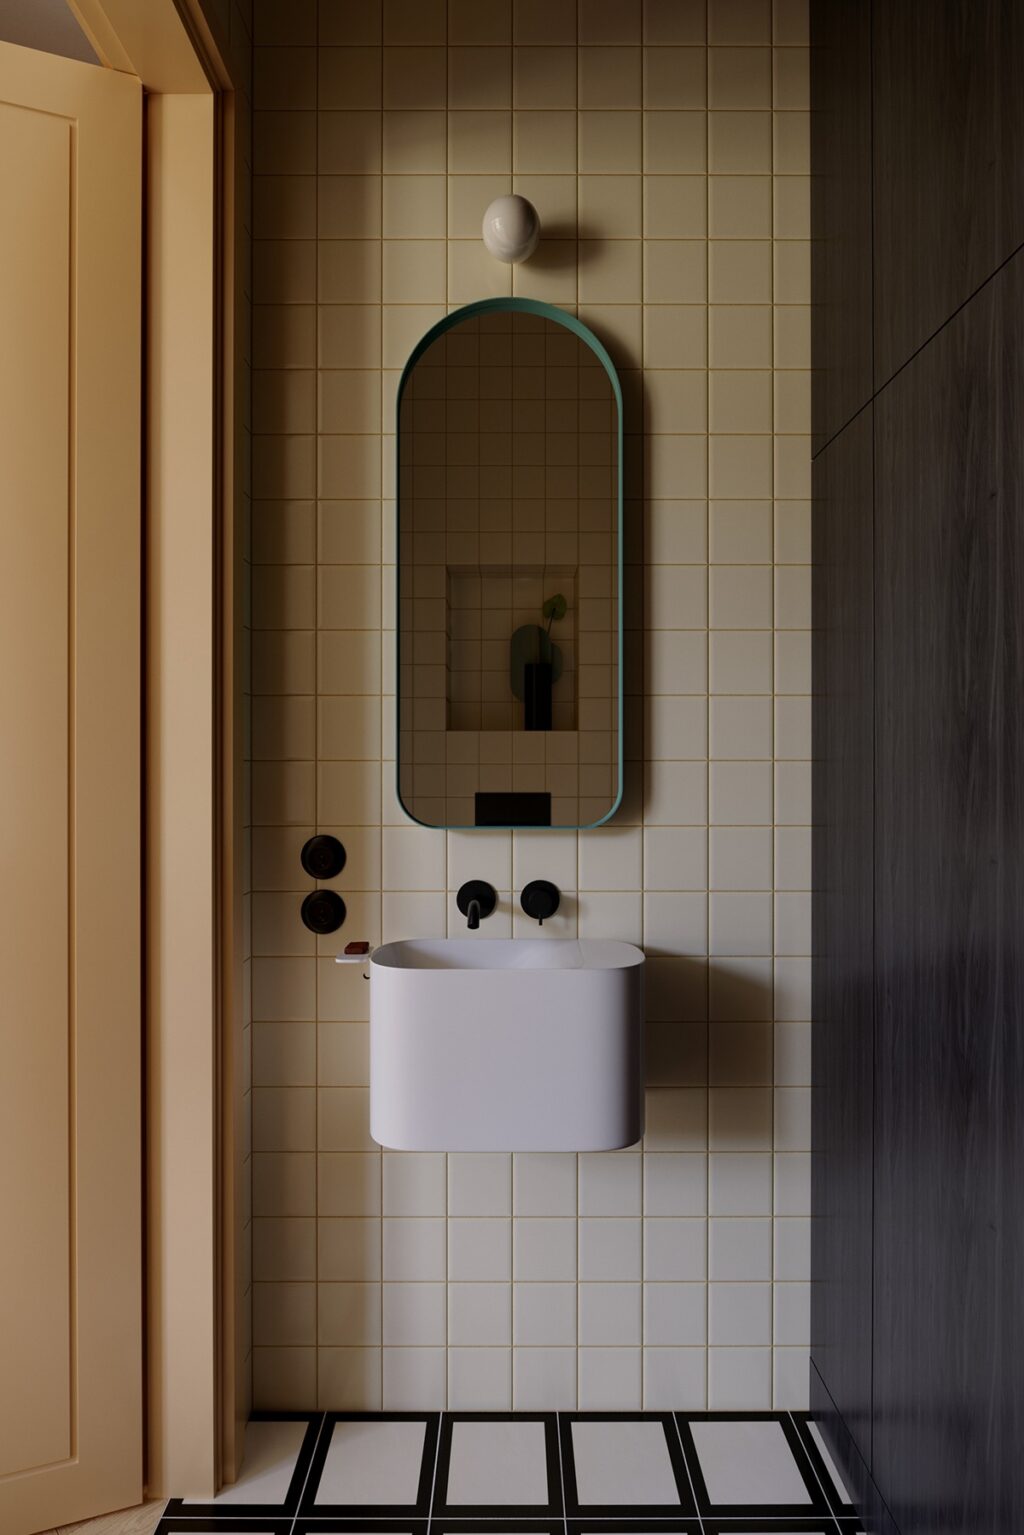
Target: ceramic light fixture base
point(511, 229)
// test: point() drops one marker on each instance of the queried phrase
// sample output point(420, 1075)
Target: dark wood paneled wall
point(842, 1127)
point(948, 115)
point(918, 350)
point(948, 1389)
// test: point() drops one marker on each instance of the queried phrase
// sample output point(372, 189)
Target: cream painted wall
point(665, 146)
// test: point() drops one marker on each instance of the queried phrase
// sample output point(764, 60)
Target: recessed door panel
point(36, 186)
point(70, 1014)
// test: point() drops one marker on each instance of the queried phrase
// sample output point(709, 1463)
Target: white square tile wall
point(665, 146)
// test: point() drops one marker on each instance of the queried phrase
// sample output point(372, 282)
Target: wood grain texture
point(948, 139)
point(949, 935)
point(142, 1520)
point(842, 379)
point(842, 1103)
point(873, 1514)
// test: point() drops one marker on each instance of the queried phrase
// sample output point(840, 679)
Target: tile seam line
point(379, 581)
point(309, 1471)
point(873, 428)
point(686, 1464)
point(880, 390)
point(564, 1521)
point(814, 1472)
point(644, 486)
point(316, 718)
point(437, 1456)
point(773, 737)
point(707, 733)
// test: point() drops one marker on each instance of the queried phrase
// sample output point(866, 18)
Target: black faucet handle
point(478, 893)
point(540, 899)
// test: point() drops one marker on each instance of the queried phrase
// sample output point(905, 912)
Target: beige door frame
point(196, 1393)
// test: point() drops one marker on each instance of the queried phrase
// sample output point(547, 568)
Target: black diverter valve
point(323, 911)
point(540, 899)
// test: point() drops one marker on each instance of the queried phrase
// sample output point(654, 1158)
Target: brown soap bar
point(357, 948)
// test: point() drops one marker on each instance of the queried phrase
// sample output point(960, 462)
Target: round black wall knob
point(540, 899)
point(323, 857)
point(323, 911)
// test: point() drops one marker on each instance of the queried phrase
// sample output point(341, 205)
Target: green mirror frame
point(570, 323)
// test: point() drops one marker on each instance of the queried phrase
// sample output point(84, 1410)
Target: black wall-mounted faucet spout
point(476, 899)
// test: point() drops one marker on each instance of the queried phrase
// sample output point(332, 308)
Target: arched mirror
point(510, 572)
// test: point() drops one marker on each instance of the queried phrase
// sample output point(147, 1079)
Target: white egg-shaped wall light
point(511, 229)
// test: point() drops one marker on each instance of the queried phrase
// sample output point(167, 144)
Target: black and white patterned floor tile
point(572, 1473)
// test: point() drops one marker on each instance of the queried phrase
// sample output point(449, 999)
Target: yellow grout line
point(707, 535)
point(319, 679)
point(316, 710)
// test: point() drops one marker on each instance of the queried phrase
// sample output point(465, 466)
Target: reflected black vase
point(537, 695)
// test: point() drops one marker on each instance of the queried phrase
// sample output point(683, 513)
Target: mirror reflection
point(509, 572)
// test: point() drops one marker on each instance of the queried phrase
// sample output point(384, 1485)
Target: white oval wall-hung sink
point(502, 1044)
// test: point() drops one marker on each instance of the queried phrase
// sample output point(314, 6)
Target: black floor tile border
point(299, 1514)
point(177, 1508)
point(755, 1523)
point(817, 1506)
point(443, 1511)
point(770, 1523)
point(497, 1526)
point(576, 1510)
point(842, 1509)
point(329, 1524)
point(633, 1526)
point(311, 1509)
point(226, 1523)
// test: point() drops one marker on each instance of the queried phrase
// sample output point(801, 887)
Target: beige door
point(70, 1015)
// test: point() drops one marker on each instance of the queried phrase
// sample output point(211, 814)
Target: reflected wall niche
point(510, 572)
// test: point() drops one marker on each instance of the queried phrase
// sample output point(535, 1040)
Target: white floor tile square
point(271, 1451)
point(623, 1463)
point(373, 1461)
point(501, 1462)
point(748, 1462)
point(471, 1470)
